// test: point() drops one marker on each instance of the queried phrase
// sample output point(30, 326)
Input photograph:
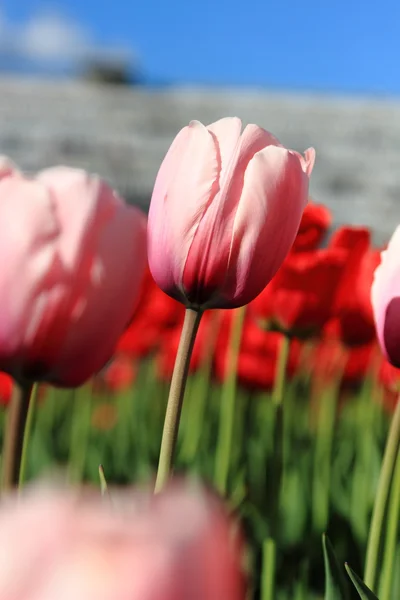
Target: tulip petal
point(28, 245)
point(227, 133)
point(7, 168)
point(110, 279)
point(276, 189)
point(308, 160)
point(186, 184)
point(209, 253)
point(84, 203)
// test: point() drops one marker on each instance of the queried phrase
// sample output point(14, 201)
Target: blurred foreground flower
point(224, 213)
point(174, 546)
point(75, 257)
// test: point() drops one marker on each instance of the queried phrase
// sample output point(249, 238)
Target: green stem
point(228, 398)
point(14, 434)
point(27, 436)
point(103, 484)
point(268, 570)
point(80, 431)
point(362, 473)
point(378, 514)
point(198, 396)
point(281, 432)
point(280, 373)
point(391, 536)
point(175, 399)
point(195, 419)
point(323, 460)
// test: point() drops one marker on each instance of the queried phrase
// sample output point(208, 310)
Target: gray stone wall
point(124, 133)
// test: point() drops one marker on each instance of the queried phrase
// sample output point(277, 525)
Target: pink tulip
point(224, 213)
point(73, 257)
point(385, 297)
point(173, 546)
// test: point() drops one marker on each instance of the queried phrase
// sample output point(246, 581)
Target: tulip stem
point(175, 398)
point(27, 435)
point(280, 373)
point(393, 526)
point(378, 514)
point(228, 402)
point(268, 569)
point(281, 439)
point(14, 434)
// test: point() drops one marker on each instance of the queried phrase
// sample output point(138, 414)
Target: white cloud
point(51, 38)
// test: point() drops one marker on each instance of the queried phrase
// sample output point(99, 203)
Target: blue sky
point(343, 46)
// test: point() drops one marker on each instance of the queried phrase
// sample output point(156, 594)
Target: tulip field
point(306, 344)
point(200, 404)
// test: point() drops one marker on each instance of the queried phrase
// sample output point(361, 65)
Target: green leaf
point(363, 591)
point(336, 587)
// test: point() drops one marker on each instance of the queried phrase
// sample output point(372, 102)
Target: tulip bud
point(73, 257)
point(385, 297)
point(224, 213)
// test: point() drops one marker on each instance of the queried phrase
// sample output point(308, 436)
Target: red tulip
point(300, 298)
point(259, 351)
point(358, 363)
point(204, 345)
point(119, 374)
point(6, 385)
point(353, 306)
point(332, 360)
point(172, 546)
point(224, 213)
point(75, 257)
point(314, 225)
point(156, 317)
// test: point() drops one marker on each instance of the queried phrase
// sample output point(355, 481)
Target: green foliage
point(364, 592)
point(336, 587)
point(331, 442)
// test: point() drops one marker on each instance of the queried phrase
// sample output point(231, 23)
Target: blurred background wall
point(107, 86)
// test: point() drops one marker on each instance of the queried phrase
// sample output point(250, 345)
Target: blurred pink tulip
point(173, 546)
point(224, 213)
point(385, 297)
point(73, 258)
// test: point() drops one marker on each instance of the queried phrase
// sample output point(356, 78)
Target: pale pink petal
point(307, 161)
point(274, 195)
point(186, 184)
point(227, 133)
point(7, 168)
point(83, 204)
point(110, 290)
point(28, 245)
point(207, 262)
